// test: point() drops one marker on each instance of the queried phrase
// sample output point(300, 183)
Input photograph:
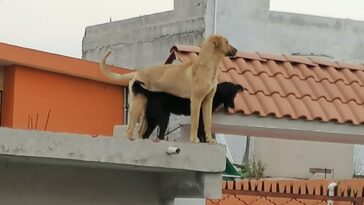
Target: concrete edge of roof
point(285, 128)
point(45, 146)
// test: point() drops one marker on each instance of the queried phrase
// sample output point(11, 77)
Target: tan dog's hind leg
point(207, 113)
point(195, 115)
point(137, 108)
point(143, 126)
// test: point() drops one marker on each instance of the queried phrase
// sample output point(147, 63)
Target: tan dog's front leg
point(195, 115)
point(207, 113)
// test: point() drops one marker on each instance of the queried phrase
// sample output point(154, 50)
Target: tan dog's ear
point(216, 40)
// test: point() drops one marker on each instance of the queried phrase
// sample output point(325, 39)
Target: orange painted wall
point(76, 105)
point(8, 98)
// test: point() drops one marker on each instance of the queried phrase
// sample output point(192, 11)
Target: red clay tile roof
point(292, 192)
point(291, 86)
point(347, 188)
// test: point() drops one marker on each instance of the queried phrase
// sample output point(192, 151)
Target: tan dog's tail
point(107, 72)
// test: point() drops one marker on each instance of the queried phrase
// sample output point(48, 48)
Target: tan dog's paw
point(156, 140)
point(194, 140)
point(131, 138)
point(211, 140)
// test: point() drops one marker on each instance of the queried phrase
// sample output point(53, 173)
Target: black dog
point(160, 105)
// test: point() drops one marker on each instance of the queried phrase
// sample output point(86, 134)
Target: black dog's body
point(160, 105)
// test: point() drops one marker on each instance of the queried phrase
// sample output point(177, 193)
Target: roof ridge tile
point(271, 56)
point(185, 48)
point(299, 59)
point(320, 61)
point(249, 55)
point(350, 66)
point(348, 188)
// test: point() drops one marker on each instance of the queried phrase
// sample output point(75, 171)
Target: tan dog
point(196, 80)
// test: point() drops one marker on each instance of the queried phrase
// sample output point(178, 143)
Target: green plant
point(253, 169)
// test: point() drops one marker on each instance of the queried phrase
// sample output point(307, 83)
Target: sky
point(58, 26)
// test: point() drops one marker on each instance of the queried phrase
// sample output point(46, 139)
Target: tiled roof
point(291, 86)
point(292, 192)
point(350, 188)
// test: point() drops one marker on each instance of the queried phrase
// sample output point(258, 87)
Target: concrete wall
point(46, 184)
point(39, 184)
point(146, 40)
point(291, 158)
point(40, 167)
point(251, 26)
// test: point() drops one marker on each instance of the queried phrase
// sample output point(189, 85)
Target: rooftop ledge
point(114, 152)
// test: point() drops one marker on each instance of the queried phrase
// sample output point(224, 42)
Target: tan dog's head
point(221, 44)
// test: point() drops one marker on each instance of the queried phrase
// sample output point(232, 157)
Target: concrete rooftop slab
point(118, 152)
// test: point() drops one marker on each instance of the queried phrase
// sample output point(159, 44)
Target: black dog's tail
point(138, 88)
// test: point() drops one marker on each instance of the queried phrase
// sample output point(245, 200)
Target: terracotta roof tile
point(295, 86)
point(351, 66)
point(187, 57)
point(318, 187)
point(223, 184)
point(185, 48)
point(246, 183)
point(228, 65)
point(230, 185)
point(240, 65)
point(321, 62)
point(271, 56)
point(253, 184)
point(238, 185)
point(248, 55)
point(299, 59)
point(292, 192)
point(292, 86)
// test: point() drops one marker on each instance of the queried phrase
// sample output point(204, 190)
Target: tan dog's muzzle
point(232, 51)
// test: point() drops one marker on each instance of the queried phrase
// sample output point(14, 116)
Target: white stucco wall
point(291, 158)
point(251, 26)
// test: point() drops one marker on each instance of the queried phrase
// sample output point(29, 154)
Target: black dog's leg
point(201, 130)
point(152, 124)
point(163, 124)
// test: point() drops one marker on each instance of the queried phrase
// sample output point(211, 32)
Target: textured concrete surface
point(288, 129)
point(118, 151)
point(44, 184)
point(62, 168)
point(271, 127)
point(249, 25)
point(146, 40)
point(27, 182)
point(293, 158)
point(300, 145)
